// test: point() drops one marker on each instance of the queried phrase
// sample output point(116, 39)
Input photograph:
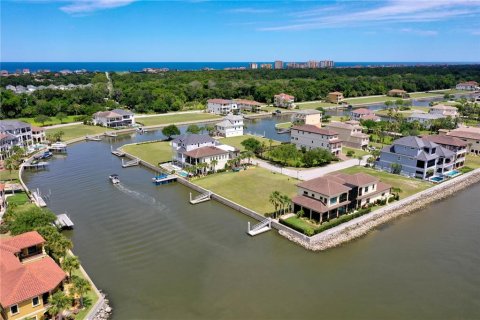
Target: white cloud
point(250, 10)
point(419, 32)
point(86, 6)
point(348, 14)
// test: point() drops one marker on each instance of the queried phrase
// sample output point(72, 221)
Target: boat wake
point(136, 195)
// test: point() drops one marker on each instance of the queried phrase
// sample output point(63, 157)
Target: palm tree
point(359, 158)
point(70, 263)
point(58, 302)
point(248, 155)
point(273, 199)
point(81, 287)
point(214, 164)
point(285, 202)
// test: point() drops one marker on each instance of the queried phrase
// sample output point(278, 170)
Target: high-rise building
point(253, 65)
point(312, 64)
point(266, 66)
point(326, 64)
point(278, 64)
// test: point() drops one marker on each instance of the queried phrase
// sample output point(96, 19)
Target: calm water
point(159, 257)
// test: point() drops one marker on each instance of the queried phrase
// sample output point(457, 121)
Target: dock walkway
point(63, 221)
point(200, 198)
point(261, 227)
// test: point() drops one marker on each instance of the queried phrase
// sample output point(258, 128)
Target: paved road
point(308, 174)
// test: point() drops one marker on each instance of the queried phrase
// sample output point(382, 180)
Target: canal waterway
point(157, 256)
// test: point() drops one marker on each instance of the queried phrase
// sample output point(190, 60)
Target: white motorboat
point(114, 178)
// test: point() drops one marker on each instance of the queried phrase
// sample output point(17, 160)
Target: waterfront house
point(231, 126)
point(221, 106)
point(284, 100)
point(38, 134)
point(335, 194)
point(416, 157)
point(114, 118)
point(397, 93)
point(7, 141)
point(335, 97)
point(350, 133)
point(22, 131)
point(426, 119)
point(28, 277)
point(312, 137)
point(308, 116)
point(248, 105)
point(447, 111)
point(360, 114)
point(458, 146)
point(470, 135)
point(468, 86)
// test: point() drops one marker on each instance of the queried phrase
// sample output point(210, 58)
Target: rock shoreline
point(105, 311)
point(371, 221)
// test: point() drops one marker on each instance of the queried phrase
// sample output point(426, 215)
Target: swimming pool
point(452, 173)
point(183, 174)
point(436, 179)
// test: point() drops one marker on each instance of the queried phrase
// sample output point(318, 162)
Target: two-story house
point(231, 126)
point(28, 277)
point(7, 141)
point(312, 137)
point(114, 118)
point(221, 106)
point(284, 100)
point(416, 157)
point(361, 114)
point(350, 133)
point(248, 105)
point(397, 93)
point(468, 85)
point(38, 134)
point(447, 111)
point(335, 97)
point(456, 145)
point(332, 195)
point(470, 135)
point(425, 119)
point(307, 116)
point(22, 131)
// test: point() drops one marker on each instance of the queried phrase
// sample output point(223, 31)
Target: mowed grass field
point(237, 141)
point(314, 105)
point(77, 131)
point(408, 186)
point(250, 188)
point(51, 122)
point(152, 153)
point(176, 118)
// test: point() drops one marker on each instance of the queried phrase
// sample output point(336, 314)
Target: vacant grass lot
point(152, 153)
point(361, 100)
point(77, 131)
point(408, 186)
point(52, 121)
point(237, 141)
point(6, 175)
point(472, 161)
point(250, 188)
point(314, 105)
point(175, 118)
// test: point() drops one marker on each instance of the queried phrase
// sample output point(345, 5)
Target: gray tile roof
point(123, 112)
point(190, 139)
point(415, 142)
point(6, 125)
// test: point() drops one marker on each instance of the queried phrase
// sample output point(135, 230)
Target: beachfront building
point(335, 194)
point(231, 126)
point(253, 65)
point(248, 105)
point(468, 86)
point(425, 119)
point(444, 110)
point(284, 100)
point(221, 106)
point(114, 118)
point(312, 137)
point(308, 116)
point(335, 97)
point(470, 135)
point(350, 133)
point(361, 114)
point(38, 134)
point(196, 149)
point(28, 277)
point(458, 146)
point(416, 157)
point(278, 65)
point(397, 93)
point(22, 131)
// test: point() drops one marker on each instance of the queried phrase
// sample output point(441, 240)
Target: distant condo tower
point(326, 64)
point(266, 66)
point(278, 64)
point(253, 65)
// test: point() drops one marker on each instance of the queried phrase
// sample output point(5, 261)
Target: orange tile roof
point(23, 240)
point(205, 152)
point(362, 111)
point(285, 96)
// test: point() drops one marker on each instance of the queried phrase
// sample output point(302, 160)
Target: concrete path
point(308, 174)
point(62, 125)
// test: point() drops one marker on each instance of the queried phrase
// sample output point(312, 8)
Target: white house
point(469, 86)
point(231, 126)
point(444, 110)
point(308, 116)
point(311, 137)
point(221, 106)
point(19, 131)
point(425, 119)
point(114, 118)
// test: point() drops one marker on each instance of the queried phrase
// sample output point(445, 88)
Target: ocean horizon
point(184, 66)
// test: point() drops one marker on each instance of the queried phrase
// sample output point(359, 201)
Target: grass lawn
point(175, 118)
point(77, 131)
point(408, 186)
point(418, 95)
point(283, 125)
point(472, 161)
point(237, 141)
point(424, 109)
point(152, 153)
point(303, 224)
point(89, 299)
point(52, 121)
point(358, 152)
point(6, 175)
point(359, 100)
point(314, 105)
point(18, 198)
point(250, 188)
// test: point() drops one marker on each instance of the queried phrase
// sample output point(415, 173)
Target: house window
point(14, 309)
point(35, 301)
point(32, 250)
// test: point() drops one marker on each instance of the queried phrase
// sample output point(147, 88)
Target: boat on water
point(114, 178)
point(45, 155)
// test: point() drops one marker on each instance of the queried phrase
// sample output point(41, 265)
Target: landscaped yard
point(250, 188)
point(77, 131)
point(89, 299)
point(237, 141)
point(314, 105)
point(18, 198)
point(175, 118)
point(153, 152)
point(6, 175)
point(357, 152)
point(408, 186)
point(472, 161)
point(52, 121)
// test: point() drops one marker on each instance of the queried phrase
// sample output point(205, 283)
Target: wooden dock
point(93, 138)
point(37, 198)
point(131, 163)
point(111, 134)
point(164, 180)
point(261, 227)
point(117, 152)
point(38, 165)
point(200, 198)
point(64, 222)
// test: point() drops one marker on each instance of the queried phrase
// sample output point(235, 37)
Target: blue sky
point(125, 30)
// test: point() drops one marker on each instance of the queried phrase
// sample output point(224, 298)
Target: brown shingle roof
point(314, 204)
point(357, 179)
point(446, 140)
point(314, 129)
point(463, 134)
point(362, 111)
point(220, 101)
point(285, 96)
point(328, 186)
point(205, 152)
